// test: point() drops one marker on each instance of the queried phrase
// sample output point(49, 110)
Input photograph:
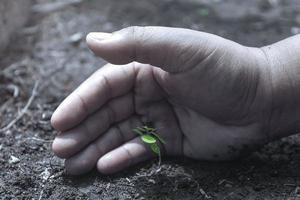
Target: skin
point(208, 97)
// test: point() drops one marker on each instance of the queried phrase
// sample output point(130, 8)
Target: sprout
point(151, 138)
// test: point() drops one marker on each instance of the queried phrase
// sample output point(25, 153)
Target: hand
point(206, 96)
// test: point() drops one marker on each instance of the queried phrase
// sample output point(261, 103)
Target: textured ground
point(49, 59)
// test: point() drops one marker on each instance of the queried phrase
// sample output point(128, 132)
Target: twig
point(53, 7)
point(39, 139)
point(24, 110)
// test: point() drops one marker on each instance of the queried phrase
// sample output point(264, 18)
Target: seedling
point(150, 137)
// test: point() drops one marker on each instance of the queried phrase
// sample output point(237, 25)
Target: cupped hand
point(206, 96)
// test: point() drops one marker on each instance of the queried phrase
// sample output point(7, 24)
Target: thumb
point(172, 49)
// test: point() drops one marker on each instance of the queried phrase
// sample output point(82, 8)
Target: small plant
point(150, 137)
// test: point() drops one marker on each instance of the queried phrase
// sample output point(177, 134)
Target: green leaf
point(149, 139)
point(155, 148)
point(137, 131)
point(159, 137)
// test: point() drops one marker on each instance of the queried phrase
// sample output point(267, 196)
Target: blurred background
point(54, 31)
point(43, 57)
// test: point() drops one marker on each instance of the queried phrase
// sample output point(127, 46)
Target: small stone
point(45, 174)
point(46, 116)
point(13, 160)
point(128, 180)
point(76, 38)
point(151, 181)
point(228, 185)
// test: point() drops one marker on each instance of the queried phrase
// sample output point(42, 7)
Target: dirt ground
point(49, 58)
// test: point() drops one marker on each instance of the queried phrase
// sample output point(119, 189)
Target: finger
point(103, 85)
point(129, 154)
point(72, 141)
point(172, 49)
point(85, 160)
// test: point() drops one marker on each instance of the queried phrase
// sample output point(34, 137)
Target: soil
point(50, 53)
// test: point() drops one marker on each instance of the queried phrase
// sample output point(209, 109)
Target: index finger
point(108, 82)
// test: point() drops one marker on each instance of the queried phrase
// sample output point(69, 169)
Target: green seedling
point(150, 137)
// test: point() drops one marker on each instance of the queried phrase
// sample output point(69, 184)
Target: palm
point(195, 128)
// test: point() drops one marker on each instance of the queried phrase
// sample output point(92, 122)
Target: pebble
point(13, 160)
point(45, 174)
point(151, 181)
point(76, 38)
point(46, 116)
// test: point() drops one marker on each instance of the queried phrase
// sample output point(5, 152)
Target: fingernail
point(99, 36)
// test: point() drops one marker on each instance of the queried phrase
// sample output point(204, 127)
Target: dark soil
point(46, 54)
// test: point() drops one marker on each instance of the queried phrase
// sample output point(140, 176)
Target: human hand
point(206, 96)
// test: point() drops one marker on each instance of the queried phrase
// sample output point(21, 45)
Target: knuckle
point(83, 105)
point(107, 84)
point(134, 31)
point(130, 157)
point(99, 148)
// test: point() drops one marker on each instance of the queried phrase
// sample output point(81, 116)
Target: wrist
point(283, 85)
